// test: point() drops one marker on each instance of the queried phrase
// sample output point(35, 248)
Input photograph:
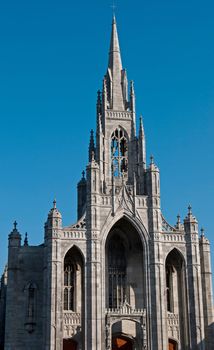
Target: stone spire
point(115, 62)
point(116, 76)
point(141, 129)
point(91, 149)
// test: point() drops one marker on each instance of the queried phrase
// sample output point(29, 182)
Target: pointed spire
point(99, 103)
point(141, 128)
point(114, 51)
point(116, 77)
point(132, 96)
point(91, 148)
point(54, 203)
point(26, 240)
point(178, 225)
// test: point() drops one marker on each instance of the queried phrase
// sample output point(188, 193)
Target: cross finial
point(54, 203)
point(202, 232)
point(152, 159)
point(113, 6)
point(189, 210)
point(15, 225)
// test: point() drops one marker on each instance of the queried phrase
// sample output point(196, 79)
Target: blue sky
point(53, 55)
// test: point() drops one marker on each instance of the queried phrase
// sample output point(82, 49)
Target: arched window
point(119, 152)
point(169, 287)
point(117, 272)
point(31, 301)
point(69, 285)
point(30, 291)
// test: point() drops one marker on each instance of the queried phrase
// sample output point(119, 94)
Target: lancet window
point(117, 272)
point(119, 152)
point(30, 317)
point(169, 287)
point(69, 285)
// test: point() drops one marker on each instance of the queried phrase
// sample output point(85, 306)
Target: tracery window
point(69, 285)
point(117, 272)
point(119, 152)
point(169, 288)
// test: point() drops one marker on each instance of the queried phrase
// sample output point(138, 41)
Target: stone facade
point(121, 277)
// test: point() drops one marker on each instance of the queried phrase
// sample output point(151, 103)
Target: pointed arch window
point(30, 291)
point(117, 272)
point(69, 285)
point(169, 288)
point(119, 152)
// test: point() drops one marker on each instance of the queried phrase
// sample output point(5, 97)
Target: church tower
point(121, 277)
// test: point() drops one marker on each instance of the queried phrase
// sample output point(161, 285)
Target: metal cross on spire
point(113, 6)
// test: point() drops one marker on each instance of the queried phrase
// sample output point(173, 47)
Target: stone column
point(196, 315)
point(206, 276)
point(94, 291)
point(54, 334)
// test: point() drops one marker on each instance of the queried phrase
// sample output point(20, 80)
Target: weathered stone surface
point(121, 273)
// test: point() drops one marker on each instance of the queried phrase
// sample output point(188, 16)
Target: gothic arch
point(73, 276)
point(77, 248)
point(119, 127)
point(30, 291)
point(73, 272)
point(177, 251)
point(135, 222)
point(176, 295)
point(125, 266)
point(119, 150)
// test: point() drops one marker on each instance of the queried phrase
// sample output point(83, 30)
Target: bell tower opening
point(119, 152)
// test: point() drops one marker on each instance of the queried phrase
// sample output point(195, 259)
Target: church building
point(121, 277)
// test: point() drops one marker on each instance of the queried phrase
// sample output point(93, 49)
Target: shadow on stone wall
point(207, 344)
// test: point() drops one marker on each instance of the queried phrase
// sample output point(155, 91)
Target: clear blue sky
point(53, 55)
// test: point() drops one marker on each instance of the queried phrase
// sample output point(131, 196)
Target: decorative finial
point(123, 176)
point(83, 174)
point(152, 159)
point(132, 86)
point(113, 6)
point(54, 204)
point(178, 219)
point(26, 239)
point(189, 210)
point(202, 232)
point(15, 225)
point(92, 156)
